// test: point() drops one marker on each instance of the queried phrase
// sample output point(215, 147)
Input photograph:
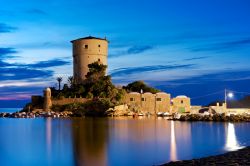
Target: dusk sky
point(182, 47)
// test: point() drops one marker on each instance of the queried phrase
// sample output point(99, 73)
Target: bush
point(137, 86)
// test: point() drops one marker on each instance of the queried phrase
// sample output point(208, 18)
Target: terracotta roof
point(89, 37)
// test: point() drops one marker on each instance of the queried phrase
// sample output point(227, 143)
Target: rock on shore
point(37, 113)
point(214, 117)
point(236, 158)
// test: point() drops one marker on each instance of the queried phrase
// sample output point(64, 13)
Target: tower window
point(86, 46)
point(99, 60)
point(99, 45)
point(182, 102)
point(131, 99)
point(158, 99)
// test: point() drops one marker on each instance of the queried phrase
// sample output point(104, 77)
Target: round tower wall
point(85, 52)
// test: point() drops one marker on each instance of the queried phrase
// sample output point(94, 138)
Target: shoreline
point(188, 118)
point(239, 157)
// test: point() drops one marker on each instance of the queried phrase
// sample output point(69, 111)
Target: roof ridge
point(89, 37)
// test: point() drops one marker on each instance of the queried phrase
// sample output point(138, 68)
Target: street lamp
point(228, 95)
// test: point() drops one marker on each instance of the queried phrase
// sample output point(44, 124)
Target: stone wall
point(195, 109)
point(36, 100)
point(238, 110)
point(162, 102)
point(181, 104)
point(148, 102)
point(68, 101)
point(86, 51)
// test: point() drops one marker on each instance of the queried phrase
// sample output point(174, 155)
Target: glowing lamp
point(230, 95)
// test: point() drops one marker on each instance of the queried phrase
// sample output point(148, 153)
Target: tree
point(71, 81)
point(96, 71)
point(96, 86)
point(59, 80)
point(137, 86)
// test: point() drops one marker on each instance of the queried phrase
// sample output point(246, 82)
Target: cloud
point(15, 72)
point(131, 50)
point(20, 73)
point(36, 11)
point(3, 64)
point(5, 53)
point(223, 46)
point(18, 92)
point(138, 49)
point(220, 76)
point(49, 63)
point(38, 70)
point(196, 58)
point(143, 69)
point(207, 88)
point(4, 28)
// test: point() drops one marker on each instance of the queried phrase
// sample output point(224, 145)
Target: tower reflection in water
point(231, 140)
point(48, 137)
point(89, 140)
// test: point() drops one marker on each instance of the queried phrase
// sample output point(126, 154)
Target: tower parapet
point(86, 51)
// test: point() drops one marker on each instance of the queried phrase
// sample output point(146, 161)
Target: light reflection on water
point(119, 141)
point(231, 140)
point(173, 153)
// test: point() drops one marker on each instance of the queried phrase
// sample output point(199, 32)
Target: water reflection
point(114, 141)
point(231, 140)
point(89, 140)
point(173, 153)
point(48, 136)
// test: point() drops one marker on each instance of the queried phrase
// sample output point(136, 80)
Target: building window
point(158, 99)
point(131, 99)
point(182, 102)
point(86, 46)
point(143, 99)
point(99, 45)
point(99, 60)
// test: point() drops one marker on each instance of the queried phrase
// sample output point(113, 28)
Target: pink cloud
point(16, 96)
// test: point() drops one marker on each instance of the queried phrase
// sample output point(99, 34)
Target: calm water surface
point(10, 110)
point(119, 141)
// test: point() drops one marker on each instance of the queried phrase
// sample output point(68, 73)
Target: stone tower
point(86, 51)
point(47, 103)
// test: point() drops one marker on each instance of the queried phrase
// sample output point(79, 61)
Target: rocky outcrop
point(37, 113)
point(120, 110)
point(214, 117)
